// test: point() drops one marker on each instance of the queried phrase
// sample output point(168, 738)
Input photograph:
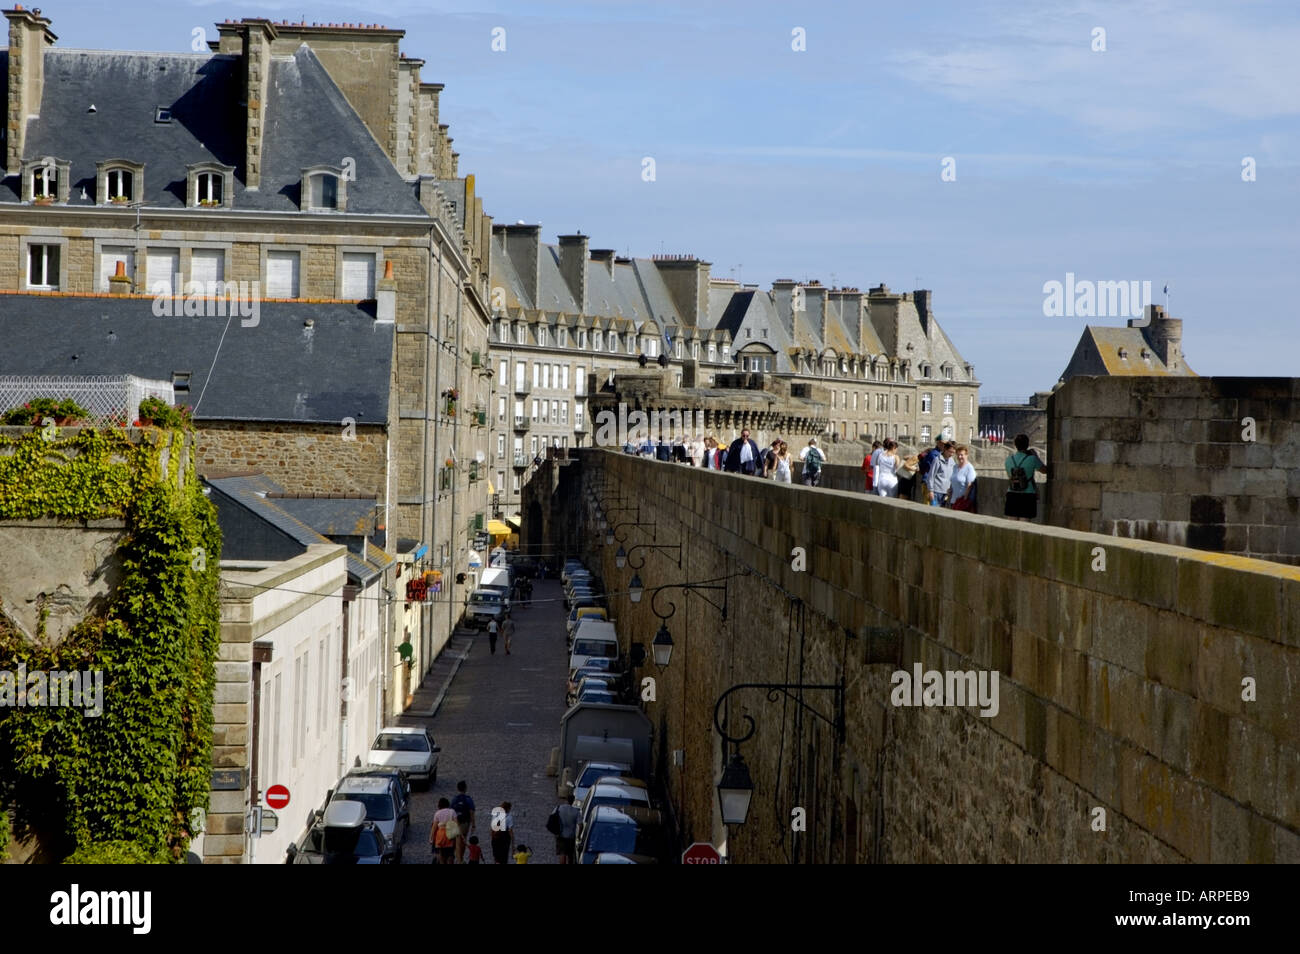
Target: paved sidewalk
point(497, 719)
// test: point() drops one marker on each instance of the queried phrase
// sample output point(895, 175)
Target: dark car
point(630, 830)
point(344, 836)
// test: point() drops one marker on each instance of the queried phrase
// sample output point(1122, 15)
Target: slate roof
point(1108, 340)
point(333, 516)
point(250, 492)
point(308, 122)
point(278, 370)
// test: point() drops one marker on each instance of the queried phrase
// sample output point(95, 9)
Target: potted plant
point(209, 203)
point(43, 200)
point(119, 200)
point(63, 412)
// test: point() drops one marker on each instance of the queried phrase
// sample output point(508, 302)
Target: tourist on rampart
point(1022, 495)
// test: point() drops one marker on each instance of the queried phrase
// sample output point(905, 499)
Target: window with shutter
point(282, 274)
point(358, 275)
point(161, 267)
point(207, 267)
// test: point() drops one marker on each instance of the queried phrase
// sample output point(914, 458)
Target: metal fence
point(106, 397)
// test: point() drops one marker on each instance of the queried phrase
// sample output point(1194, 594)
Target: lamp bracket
point(775, 690)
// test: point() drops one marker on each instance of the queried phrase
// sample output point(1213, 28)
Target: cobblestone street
point(497, 725)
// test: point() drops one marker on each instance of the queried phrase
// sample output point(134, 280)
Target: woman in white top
point(886, 470)
point(781, 468)
point(963, 479)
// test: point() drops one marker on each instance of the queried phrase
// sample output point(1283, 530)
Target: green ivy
point(135, 773)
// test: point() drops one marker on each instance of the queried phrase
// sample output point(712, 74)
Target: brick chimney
point(523, 246)
point(29, 36)
point(251, 39)
point(573, 266)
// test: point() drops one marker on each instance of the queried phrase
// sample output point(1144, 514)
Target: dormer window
point(695, 350)
point(45, 180)
point(596, 343)
point(324, 189)
point(210, 185)
point(562, 336)
point(541, 335)
point(119, 181)
point(582, 338)
point(613, 341)
point(713, 351)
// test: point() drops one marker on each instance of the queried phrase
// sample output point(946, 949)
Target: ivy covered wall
point(121, 785)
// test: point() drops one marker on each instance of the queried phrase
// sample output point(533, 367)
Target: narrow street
point(497, 725)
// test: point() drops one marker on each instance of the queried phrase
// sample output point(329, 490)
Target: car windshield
point(488, 597)
point(621, 838)
point(401, 743)
point(591, 773)
point(594, 647)
point(379, 805)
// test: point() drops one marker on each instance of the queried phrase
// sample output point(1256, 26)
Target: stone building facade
point(567, 318)
point(305, 168)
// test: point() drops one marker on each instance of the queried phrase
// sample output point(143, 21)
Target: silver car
point(384, 803)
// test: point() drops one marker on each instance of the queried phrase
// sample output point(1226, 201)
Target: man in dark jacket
point(742, 455)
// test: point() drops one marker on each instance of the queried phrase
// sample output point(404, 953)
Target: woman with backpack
point(443, 834)
point(1022, 496)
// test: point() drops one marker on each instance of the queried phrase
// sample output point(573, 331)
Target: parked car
point(571, 567)
point(484, 607)
point(344, 836)
point(633, 831)
point(592, 639)
point(584, 681)
point(592, 772)
point(609, 791)
point(603, 696)
point(410, 750)
point(614, 858)
point(385, 805)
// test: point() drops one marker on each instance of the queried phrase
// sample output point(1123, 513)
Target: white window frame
point(927, 402)
point(370, 251)
point(302, 259)
point(596, 343)
point(61, 248)
point(947, 403)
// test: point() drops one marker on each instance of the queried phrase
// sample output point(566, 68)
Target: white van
point(592, 637)
point(496, 578)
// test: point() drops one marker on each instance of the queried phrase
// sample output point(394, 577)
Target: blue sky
point(825, 163)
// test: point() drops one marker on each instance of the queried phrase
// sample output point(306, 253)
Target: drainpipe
point(262, 652)
point(349, 594)
point(455, 481)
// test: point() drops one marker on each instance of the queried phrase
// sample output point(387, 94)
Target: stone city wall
point(1210, 463)
point(1120, 688)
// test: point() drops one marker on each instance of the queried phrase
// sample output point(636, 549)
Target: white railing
point(106, 397)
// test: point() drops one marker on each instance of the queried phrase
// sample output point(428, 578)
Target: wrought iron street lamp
point(635, 589)
point(662, 647)
point(735, 790)
point(637, 565)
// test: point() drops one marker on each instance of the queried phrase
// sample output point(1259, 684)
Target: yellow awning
point(498, 529)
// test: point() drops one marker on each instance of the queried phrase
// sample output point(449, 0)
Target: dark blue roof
point(278, 370)
point(308, 121)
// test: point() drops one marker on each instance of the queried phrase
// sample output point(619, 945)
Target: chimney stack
point(573, 266)
point(257, 36)
point(29, 35)
point(523, 246)
point(386, 296)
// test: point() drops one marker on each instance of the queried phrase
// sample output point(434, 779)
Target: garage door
point(282, 274)
point(163, 265)
point(358, 275)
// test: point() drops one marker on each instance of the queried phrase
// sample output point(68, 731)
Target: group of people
point(947, 477)
point(452, 835)
point(506, 628)
point(742, 456)
point(453, 840)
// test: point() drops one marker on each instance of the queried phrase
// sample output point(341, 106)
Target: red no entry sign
point(277, 796)
point(701, 853)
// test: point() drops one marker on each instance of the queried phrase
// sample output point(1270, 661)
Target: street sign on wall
point(701, 853)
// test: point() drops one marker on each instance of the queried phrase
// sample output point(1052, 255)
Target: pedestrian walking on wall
point(507, 630)
point(869, 467)
point(962, 493)
point(1022, 495)
point(939, 477)
point(886, 470)
point(503, 834)
point(742, 456)
point(812, 459)
point(781, 463)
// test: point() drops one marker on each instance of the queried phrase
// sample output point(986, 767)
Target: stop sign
point(277, 796)
point(701, 853)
